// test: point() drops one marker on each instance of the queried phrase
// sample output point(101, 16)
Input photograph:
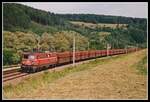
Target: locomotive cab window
point(31, 57)
point(25, 56)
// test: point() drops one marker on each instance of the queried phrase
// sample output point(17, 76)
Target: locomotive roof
point(37, 53)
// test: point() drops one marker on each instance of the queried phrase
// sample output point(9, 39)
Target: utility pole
point(107, 49)
point(73, 50)
point(126, 49)
point(88, 45)
point(137, 47)
point(38, 44)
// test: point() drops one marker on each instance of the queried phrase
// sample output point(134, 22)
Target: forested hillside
point(26, 28)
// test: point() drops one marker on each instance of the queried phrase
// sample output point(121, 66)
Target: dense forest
point(26, 29)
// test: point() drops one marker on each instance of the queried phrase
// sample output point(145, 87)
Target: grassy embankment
point(142, 65)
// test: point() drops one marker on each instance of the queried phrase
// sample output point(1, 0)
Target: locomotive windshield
point(31, 57)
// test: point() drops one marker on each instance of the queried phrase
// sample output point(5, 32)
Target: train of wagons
point(33, 62)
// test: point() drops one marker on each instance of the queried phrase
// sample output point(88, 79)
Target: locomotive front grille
point(28, 68)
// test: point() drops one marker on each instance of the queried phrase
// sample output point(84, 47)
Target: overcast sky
point(128, 9)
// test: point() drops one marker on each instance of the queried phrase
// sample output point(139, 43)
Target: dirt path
point(117, 79)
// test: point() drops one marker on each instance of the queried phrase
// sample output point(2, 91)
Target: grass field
point(117, 77)
point(99, 25)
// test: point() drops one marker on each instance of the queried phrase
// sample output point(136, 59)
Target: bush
point(15, 58)
point(142, 66)
point(7, 57)
point(10, 57)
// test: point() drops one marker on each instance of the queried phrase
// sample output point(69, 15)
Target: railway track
point(11, 71)
point(13, 74)
point(17, 73)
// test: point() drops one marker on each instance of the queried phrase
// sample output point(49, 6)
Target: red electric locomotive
point(33, 62)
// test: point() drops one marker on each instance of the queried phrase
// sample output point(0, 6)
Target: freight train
point(33, 62)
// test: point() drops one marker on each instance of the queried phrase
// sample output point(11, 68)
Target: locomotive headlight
point(34, 62)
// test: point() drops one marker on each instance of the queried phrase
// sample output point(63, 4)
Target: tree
point(14, 17)
point(61, 43)
point(9, 40)
point(47, 42)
